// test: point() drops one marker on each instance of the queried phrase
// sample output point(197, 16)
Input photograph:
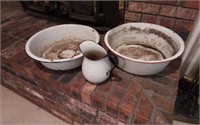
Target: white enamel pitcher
point(96, 66)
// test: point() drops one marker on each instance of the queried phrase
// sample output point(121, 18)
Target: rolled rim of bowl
point(27, 46)
point(175, 35)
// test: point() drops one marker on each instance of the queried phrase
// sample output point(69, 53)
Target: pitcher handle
point(113, 59)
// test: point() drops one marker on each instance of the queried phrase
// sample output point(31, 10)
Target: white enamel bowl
point(167, 42)
point(36, 45)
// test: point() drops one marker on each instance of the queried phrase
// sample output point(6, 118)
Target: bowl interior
point(37, 44)
point(144, 42)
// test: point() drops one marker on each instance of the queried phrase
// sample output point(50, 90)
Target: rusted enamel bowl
point(143, 48)
point(39, 42)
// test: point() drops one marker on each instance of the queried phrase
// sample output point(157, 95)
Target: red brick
point(36, 83)
point(149, 18)
point(78, 120)
point(26, 32)
point(19, 45)
point(71, 100)
point(184, 25)
point(44, 23)
point(166, 22)
point(49, 101)
point(144, 112)
point(23, 22)
point(6, 42)
point(76, 84)
point(163, 118)
point(86, 92)
point(103, 90)
point(57, 96)
point(22, 62)
point(41, 23)
point(121, 82)
point(32, 70)
point(3, 37)
point(7, 53)
point(6, 77)
point(160, 20)
point(49, 76)
point(58, 114)
point(88, 118)
point(46, 94)
point(5, 61)
point(103, 117)
point(185, 13)
point(174, 76)
point(21, 82)
point(126, 21)
point(100, 94)
point(172, 71)
point(51, 106)
point(99, 121)
point(10, 55)
point(19, 30)
point(143, 7)
point(11, 4)
point(191, 4)
point(113, 101)
point(22, 26)
point(56, 79)
point(12, 15)
point(160, 120)
point(73, 108)
point(65, 89)
point(87, 108)
point(163, 80)
point(120, 78)
point(68, 75)
point(128, 106)
point(168, 11)
point(163, 102)
point(164, 2)
point(28, 67)
point(157, 88)
point(31, 20)
point(131, 16)
point(5, 27)
point(55, 85)
point(30, 32)
point(45, 72)
point(50, 24)
point(18, 65)
point(35, 92)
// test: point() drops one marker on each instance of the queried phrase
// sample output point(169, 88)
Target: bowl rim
point(28, 51)
point(175, 35)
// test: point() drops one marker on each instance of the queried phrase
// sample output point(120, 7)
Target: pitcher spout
point(92, 50)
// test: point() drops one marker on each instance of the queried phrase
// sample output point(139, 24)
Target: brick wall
point(178, 15)
point(11, 4)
